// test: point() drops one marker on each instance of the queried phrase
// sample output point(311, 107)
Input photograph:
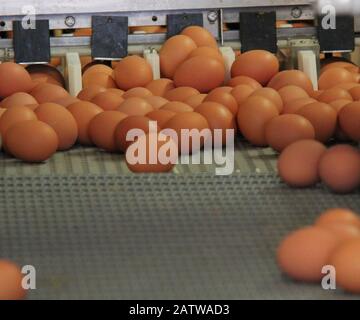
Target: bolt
point(296, 12)
point(70, 21)
point(212, 16)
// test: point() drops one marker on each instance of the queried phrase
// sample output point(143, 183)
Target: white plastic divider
point(229, 58)
point(153, 58)
point(355, 56)
point(307, 64)
point(73, 74)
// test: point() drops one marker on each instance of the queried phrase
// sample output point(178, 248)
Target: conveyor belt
point(84, 161)
point(92, 231)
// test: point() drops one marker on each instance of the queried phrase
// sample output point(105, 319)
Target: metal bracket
point(258, 31)
point(32, 43)
point(336, 38)
point(109, 39)
point(305, 56)
point(178, 22)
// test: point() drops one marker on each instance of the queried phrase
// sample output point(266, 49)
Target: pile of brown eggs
point(267, 107)
point(329, 248)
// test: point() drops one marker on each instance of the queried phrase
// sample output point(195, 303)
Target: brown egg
point(347, 86)
point(83, 112)
point(174, 52)
point(322, 117)
point(339, 168)
point(133, 71)
point(333, 77)
point(107, 100)
point(48, 93)
point(270, 94)
point(13, 78)
point(304, 252)
point(31, 106)
point(182, 123)
point(346, 261)
point(298, 163)
point(99, 78)
point(38, 78)
point(46, 73)
point(177, 107)
point(135, 107)
point(291, 77)
point(129, 123)
point(339, 64)
point(102, 129)
point(96, 68)
point(181, 94)
point(260, 65)
point(338, 216)
point(241, 92)
point(156, 101)
point(218, 117)
point(244, 80)
point(355, 71)
point(14, 115)
point(196, 100)
point(207, 52)
point(137, 92)
point(339, 104)
point(159, 87)
point(201, 36)
point(90, 92)
point(285, 129)
point(146, 154)
point(161, 116)
point(294, 105)
point(31, 141)
point(116, 91)
point(61, 120)
point(223, 89)
point(202, 73)
point(18, 99)
point(355, 93)
point(291, 93)
point(349, 120)
point(343, 231)
point(332, 94)
point(11, 281)
point(224, 98)
point(66, 101)
point(252, 118)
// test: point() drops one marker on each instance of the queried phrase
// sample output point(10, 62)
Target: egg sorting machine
point(254, 25)
point(92, 231)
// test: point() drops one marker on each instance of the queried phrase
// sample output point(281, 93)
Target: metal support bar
point(157, 15)
point(14, 7)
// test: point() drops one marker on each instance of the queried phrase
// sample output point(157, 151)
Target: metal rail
point(78, 13)
point(139, 42)
point(44, 7)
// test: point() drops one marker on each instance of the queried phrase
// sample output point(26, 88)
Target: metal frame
point(139, 42)
point(150, 13)
point(13, 7)
point(144, 12)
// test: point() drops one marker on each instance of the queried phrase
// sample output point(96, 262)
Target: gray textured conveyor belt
point(83, 161)
point(94, 232)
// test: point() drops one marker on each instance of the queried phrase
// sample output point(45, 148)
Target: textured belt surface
point(190, 236)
